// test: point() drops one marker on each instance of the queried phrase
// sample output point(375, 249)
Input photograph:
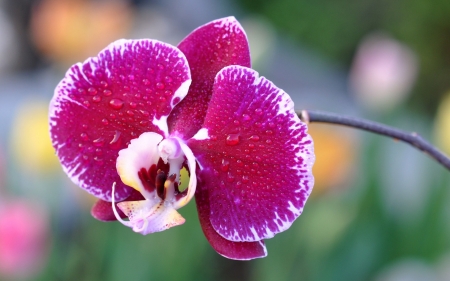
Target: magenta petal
point(103, 103)
point(228, 249)
point(256, 157)
point(208, 49)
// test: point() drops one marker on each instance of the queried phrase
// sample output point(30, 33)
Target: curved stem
point(412, 138)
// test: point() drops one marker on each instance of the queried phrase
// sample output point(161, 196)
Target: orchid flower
point(126, 122)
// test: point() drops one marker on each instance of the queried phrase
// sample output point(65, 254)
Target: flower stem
point(412, 138)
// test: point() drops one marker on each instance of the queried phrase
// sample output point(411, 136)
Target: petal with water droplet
point(226, 248)
point(208, 49)
point(125, 75)
point(268, 175)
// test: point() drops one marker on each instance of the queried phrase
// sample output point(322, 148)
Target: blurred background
point(380, 210)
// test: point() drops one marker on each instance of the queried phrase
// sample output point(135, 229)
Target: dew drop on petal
point(144, 112)
point(254, 138)
point(225, 165)
point(105, 121)
point(107, 93)
point(258, 111)
point(99, 142)
point(116, 103)
point(232, 139)
point(246, 117)
point(97, 99)
point(84, 136)
point(115, 141)
point(130, 112)
point(168, 79)
point(92, 91)
point(269, 132)
point(160, 85)
point(86, 103)
point(133, 104)
point(104, 84)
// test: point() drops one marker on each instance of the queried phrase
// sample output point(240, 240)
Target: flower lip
point(138, 165)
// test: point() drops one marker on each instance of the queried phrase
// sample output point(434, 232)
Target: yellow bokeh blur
point(336, 150)
point(68, 31)
point(30, 139)
point(442, 125)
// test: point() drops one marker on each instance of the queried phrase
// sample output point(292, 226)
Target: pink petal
point(256, 157)
point(226, 248)
point(102, 210)
point(103, 103)
point(208, 49)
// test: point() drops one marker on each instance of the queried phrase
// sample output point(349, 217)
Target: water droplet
point(148, 90)
point(86, 103)
point(168, 79)
point(81, 91)
point(251, 145)
point(146, 82)
point(245, 178)
point(218, 45)
point(258, 111)
point(236, 122)
point(130, 112)
point(133, 104)
point(239, 163)
point(271, 124)
point(160, 85)
point(160, 66)
point(84, 136)
point(254, 138)
point(232, 139)
point(104, 84)
point(230, 177)
point(268, 141)
point(143, 123)
point(99, 142)
point(107, 92)
point(213, 137)
point(225, 165)
point(131, 77)
point(246, 117)
point(138, 96)
point(96, 99)
point(112, 116)
point(84, 126)
point(92, 91)
point(145, 113)
point(115, 141)
point(116, 103)
point(269, 132)
point(105, 121)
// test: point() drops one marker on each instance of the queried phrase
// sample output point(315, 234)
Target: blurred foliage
point(334, 29)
